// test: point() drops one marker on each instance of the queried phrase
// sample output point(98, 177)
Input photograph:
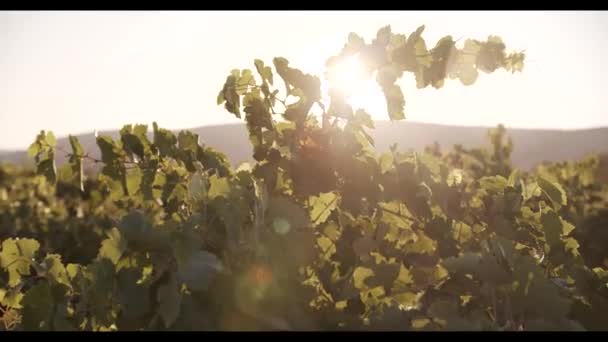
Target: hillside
point(531, 146)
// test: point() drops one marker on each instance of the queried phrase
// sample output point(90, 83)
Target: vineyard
point(321, 232)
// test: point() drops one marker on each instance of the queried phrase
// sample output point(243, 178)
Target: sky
point(74, 72)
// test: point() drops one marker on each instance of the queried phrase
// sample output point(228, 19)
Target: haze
point(74, 72)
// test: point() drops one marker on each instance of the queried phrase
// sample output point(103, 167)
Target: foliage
point(321, 233)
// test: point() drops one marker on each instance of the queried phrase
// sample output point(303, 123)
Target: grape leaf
point(495, 184)
point(16, 257)
point(322, 206)
point(133, 298)
point(454, 177)
point(170, 299)
point(56, 270)
point(199, 270)
point(553, 190)
point(360, 275)
point(113, 247)
point(218, 187)
point(38, 305)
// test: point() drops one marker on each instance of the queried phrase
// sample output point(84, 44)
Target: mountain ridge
point(531, 146)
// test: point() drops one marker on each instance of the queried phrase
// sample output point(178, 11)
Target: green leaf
point(494, 184)
point(363, 118)
point(514, 178)
point(394, 102)
point(264, 71)
point(135, 140)
point(466, 263)
point(197, 187)
point(218, 187)
point(133, 180)
point(170, 299)
point(553, 190)
point(471, 49)
point(76, 174)
point(258, 116)
point(50, 139)
point(383, 36)
point(397, 40)
point(567, 227)
point(12, 298)
point(537, 293)
point(187, 141)
point(600, 273)
point(110, 150)
point(495, 40)
point(139, 232)
point(396, 214)
point(386, 162)
point(113, 247)
point(321, 206)
point(73, 270)
point(232, 213)
point(133, 298)
point(102, 276)
point(76, 146)
point(407, 299)
point(16, 258)
point(355, 42)
point(554, 227)
point(462, 232)
point(164, 140)
point(246, 79)
point(571, 246)
point(186, 242)
point(199, 270)
point(38, 305)
point(416, 34)
point(422, 245)
point(34, 149)
point(430, 162)
point(467, 74)
point(404, 278)
point(532, 190)
point(388, 75)
point(233, 101)
point(455, 177)
point(360, 275)
point(100, 280)
point(56, 270)
point(47, 168)
point(328, 248)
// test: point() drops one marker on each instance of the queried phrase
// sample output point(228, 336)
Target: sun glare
point(361, 90)
point(347, 75)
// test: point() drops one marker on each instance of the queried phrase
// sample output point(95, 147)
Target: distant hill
point(531, 146)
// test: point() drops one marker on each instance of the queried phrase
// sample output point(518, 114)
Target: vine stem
point(153, 321)
point(494, 304)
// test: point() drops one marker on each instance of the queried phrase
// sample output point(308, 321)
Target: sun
point(347, 75)
point(359, 87)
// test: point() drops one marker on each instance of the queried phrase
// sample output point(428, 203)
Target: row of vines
point(321, 232)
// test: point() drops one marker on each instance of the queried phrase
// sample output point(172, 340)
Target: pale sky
point(74, 72)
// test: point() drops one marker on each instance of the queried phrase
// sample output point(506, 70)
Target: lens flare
point(349, 77)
